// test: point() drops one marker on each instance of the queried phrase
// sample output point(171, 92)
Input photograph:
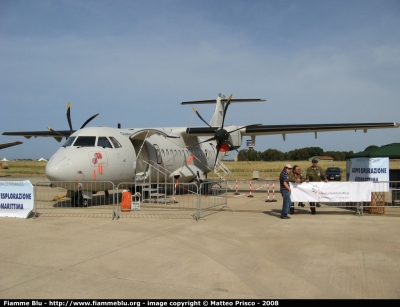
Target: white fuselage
point(130, 155)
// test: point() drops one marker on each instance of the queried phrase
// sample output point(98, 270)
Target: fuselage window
point(115, 142)
point(102, 141)
point(85, 141)
point(69, 141)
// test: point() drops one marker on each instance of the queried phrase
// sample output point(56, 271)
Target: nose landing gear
point(79, 200)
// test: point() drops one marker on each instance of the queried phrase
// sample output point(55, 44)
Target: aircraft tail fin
point(220, 102)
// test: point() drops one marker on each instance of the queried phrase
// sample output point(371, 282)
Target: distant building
point(322, 158)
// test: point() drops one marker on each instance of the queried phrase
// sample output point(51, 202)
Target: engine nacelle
point(235, 137)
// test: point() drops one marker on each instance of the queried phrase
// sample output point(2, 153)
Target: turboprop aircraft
point(136, 155)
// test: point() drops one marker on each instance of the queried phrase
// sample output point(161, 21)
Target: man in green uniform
point(315, 173)
point(296, 177)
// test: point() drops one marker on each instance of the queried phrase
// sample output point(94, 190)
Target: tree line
point(300, 154)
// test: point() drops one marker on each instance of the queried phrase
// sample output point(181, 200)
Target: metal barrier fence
point(197, 200)
point(213, 197)
point(177, 197)
point(157, 198)
point(72, 194)
point(385, 195)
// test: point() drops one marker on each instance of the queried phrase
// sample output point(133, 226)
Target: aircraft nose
point(57, 167)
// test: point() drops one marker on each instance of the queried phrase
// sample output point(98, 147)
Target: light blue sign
point(16, 198)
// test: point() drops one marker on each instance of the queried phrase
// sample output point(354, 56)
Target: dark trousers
point(292, 207)
point(312, 206)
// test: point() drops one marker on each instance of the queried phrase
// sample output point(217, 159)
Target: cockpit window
point(115, 142)
point(85, 141)
point(69, 141)
point(103, 142)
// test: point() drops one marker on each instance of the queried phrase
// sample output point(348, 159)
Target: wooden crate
point(377, 203)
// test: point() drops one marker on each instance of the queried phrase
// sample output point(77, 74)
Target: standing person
point(296, 177)
point(315, 173)
point(285, 190)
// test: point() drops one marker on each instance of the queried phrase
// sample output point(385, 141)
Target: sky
point(134, 62)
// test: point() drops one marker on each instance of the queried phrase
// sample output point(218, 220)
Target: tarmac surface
point(249, 253)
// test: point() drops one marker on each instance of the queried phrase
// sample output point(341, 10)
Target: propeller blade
point(245, 127)
point(224, 147)
point(251, 166)
point(201, 142)
point(216, 157)
point(198, 114)
point(69, 116)
point(226, 108)
point(86, 122)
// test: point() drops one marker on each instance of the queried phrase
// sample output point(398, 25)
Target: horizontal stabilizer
point(222, 100)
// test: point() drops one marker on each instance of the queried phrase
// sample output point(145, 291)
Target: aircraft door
point(142, 156)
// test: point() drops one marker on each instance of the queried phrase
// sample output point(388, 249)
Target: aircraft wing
point(289, 129)
point(304, 128)
point(5, 145)
point(58, 135)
